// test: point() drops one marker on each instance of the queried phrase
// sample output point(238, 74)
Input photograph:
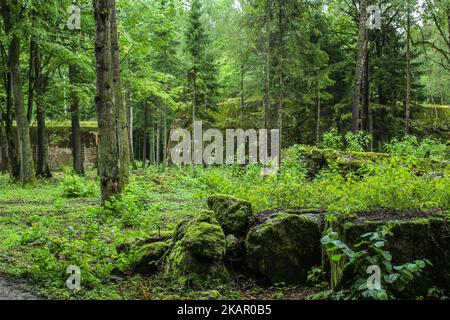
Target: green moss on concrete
point(413, 239)
point(284, 248)
point(147, 258)
point(324, 159)
point(198, 250)
point(234, 215)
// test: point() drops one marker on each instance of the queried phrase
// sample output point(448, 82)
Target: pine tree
point(202, 85)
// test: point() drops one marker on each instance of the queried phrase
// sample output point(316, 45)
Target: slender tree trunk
point(145, 138)
point(318, 114)
point(267, 69)
point(435, 113)
point(78, 165)
point(409, 72)
point(23, 129)
point(165, 138)
point(120, 110)
point(7, 117)
point(361, 55)
point(42, 165)
point(158, 138)
point(242, 98)
point(366, 95)
point(129, 108)
point(32, 77)
point(281, 53)
point(110, 177)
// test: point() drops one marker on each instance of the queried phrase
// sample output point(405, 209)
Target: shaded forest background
point(287, 64)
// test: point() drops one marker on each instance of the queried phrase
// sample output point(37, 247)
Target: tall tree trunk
point(129, 108)
point(281, 52)
point(165, 138)
point(267, 68)
point(318, 114)
point(145, 138)
point(366, 95)
point(23, 129)
point(158, 138)
point(32, 77)
point(242, 98)
point(42, 165)
point(120, 109)
point(409, 71)
point(7, 117)
point(108, 152)
point(361, 55)
point(77, 156)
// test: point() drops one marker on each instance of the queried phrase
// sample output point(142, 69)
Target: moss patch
point(284, 248)
point(198, 250)
point(415, 236)
point(234, 215)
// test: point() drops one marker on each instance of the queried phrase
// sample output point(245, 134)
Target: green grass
point(42, 232)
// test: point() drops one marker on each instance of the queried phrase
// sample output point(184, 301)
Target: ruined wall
point(60, 152)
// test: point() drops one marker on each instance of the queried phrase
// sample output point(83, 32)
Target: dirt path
point(14, 290)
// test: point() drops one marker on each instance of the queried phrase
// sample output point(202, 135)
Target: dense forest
point(357, 91)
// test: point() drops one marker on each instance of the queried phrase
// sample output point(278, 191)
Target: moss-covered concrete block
point(317, 160)
point(234, 215)
point(284, 248)
point(415, 236)
point(147, 258)
point(198, 249)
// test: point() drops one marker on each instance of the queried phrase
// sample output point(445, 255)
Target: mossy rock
point(147, 258)
point(345, 162)
point(415, 236)
point(155, 236)
point(198, 250)
point(234, 248)
point(284, 248)
point(234, 215)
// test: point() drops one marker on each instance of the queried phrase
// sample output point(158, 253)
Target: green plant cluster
point(392, 279)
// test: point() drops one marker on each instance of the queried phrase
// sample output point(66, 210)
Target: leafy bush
point(332, 140)
point(411, 146)
point(393, 279)
point(75, 186)
point(357, 142)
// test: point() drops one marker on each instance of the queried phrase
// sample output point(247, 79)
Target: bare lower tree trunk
point(23, 129)
point(359, 72)
point(32, 78)
point(365, 96)
point(78, 165)
point(42, 165)
point(267, 69)
point(7, 117)
point(130, 130)
point(109, 167)
point(120, 110)
point(158, 138)
point(165, 138)
point(241, 106)
point(409, 72)
point(318, 114)
point(145, 138)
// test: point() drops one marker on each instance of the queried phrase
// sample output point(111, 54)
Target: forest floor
point(57, 223)
point(41, 231)
point(15, 290)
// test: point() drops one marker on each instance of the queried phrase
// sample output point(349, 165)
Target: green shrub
point(332, 140)
point(411, 146)
point(357, 142)
point(75, 186)
point(393, 279)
